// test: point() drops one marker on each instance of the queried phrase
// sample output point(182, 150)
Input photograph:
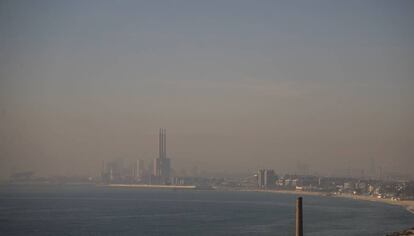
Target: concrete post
point(299, 217)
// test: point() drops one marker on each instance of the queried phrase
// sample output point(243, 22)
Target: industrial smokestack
point(160, 143)
point(299, 217)
point(165, 143)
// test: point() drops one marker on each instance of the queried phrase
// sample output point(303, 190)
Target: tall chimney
point(299, 217)
point(159, 144)
point(165, 143)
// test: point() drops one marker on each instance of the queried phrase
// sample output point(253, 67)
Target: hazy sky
point(238, 84)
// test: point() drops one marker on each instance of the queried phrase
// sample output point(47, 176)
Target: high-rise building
point(138, 169)
point(162, 164)
point(266, 178)
point(260, 178)
point(269, 178)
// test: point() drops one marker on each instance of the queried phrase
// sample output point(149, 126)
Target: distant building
point(139, 169)
point(266, 178)
point(117, 171)
point(348, 186)
point(270, 179)
point(260, 178)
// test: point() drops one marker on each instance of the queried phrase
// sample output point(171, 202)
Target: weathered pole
point(299, 217)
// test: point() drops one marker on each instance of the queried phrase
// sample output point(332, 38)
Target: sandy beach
point(408, 204)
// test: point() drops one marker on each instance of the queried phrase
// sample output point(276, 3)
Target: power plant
point(121, 171)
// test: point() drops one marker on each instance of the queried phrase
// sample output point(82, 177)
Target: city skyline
point(240, 85)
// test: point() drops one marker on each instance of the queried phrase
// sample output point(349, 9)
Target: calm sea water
point(90, 210)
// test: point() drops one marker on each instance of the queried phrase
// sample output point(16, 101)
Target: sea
point(97, 210)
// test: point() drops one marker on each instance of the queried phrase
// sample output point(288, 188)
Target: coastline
point(407, 204)
point(150, 186)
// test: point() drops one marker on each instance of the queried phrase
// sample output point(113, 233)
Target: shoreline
point(407, 204)
point(151, 186)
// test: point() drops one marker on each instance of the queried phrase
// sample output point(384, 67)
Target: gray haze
point(238, 84)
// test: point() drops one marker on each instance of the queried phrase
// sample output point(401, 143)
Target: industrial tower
point(162, 164)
